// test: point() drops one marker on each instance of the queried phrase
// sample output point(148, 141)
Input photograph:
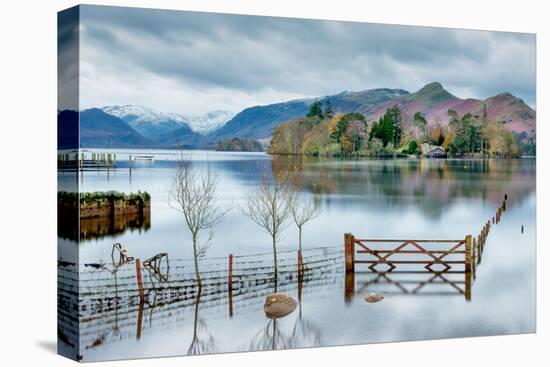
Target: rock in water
point(278, 305)
point(374, 297)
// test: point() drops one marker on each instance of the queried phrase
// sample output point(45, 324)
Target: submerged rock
point(278, 305)
point(374, 297)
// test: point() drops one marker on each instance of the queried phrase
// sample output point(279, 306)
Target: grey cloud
point(265, 56)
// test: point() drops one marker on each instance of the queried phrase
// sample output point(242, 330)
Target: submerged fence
point(121, 299)
point(98, 297)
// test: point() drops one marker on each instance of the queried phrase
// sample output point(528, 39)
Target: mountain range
point(435, 102)
point(154, 124)
point(137, 126)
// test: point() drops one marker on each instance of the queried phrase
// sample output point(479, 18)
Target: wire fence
point(104, 299)
point(101, 287)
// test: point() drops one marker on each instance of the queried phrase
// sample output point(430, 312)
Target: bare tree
point(303, 211)
point(193, 194)
point(269, 207)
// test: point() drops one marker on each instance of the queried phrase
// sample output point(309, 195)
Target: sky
point(192, 63)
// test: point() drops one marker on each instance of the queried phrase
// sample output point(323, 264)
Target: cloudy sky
point(191, 63)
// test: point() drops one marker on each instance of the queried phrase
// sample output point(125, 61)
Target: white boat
point(143, 158)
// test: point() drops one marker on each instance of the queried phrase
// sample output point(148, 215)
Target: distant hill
point(516, 114)
point(500, 126)
point(258, 122)
point(209, 122)
point(148, 122)
point(154, 125)
point(133, 126)
point(183, 137)
point(101, 130)
point(434, 101)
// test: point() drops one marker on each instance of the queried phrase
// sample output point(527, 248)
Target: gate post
point(349, 252)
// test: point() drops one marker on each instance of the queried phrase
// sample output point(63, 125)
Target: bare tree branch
point(269, 207)
point(303, 211)
point(193, 194)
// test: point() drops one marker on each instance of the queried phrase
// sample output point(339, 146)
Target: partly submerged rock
point(278, 305)
point(374, 297)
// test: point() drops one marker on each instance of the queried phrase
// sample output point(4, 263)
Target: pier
point(86, 161)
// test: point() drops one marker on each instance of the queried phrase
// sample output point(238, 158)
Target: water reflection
point(110, 309)
point(413, 283)
point(273, 335)
point(388, 198)
point(102, 227)
point(203, 341)
point(400, 182)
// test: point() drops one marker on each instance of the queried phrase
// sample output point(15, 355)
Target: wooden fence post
point(139, 282)
point(139, 320)
point(479, 249)
point(468, 255)
point(468, 268)
point(230, 285)
point(230, 274)
point(474, 249)
point(349, 252)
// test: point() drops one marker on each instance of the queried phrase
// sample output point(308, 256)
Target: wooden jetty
point(83, 160)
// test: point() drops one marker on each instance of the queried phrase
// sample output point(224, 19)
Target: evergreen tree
point(315, 110)
point(328, 109)
point(374, 131)
point(396, 119)
point(468, 133)
point(421, 123)
point(388, 129)
point(454, 120)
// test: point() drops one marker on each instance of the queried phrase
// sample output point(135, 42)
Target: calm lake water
point(403, 199)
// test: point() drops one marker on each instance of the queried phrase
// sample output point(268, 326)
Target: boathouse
point(433, 151)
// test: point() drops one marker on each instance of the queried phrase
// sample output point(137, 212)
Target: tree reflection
point(273, 336)
point(429, 184)
point(203, 341)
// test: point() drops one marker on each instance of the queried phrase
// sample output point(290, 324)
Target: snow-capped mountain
point(154, 124)
point(209, 122)
point(142, 114)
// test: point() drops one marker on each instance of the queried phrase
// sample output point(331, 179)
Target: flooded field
point(381, 199)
